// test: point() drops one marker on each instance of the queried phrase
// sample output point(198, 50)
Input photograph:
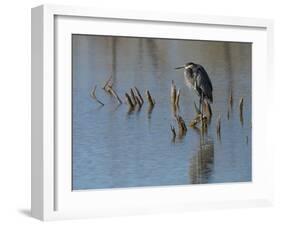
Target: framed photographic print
point(138, 113)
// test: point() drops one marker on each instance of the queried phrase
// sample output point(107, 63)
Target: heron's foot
point(198, 119)
point(195, 121)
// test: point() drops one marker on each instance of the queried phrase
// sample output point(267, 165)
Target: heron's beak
point(179, 67)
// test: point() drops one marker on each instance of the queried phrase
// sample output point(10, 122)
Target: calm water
point(113, 148)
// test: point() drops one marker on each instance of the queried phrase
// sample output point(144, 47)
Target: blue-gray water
point(114, 149)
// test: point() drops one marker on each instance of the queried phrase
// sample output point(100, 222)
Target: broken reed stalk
point(133, 97)
point(129, 101)
point(178, 97)
point(173, 93)
point(111, 90)
point(107, 83)
point(173, 131)
point(181, 125)
point(241, 103)
point(149, 98)
point(139, 95)
point(108, 89)
point(93, 94)
point(219, 126)
point(174, 110)
point(138, 101)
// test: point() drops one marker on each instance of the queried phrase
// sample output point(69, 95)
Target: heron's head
point(188, 73)
point(187, 66)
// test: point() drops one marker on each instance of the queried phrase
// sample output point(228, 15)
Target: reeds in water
point(182, 129)
point(173, 93)
point(150, 100)
point(139, 103)
point(108, 83)
point(129, 101)
point(173, 133)
point(139, 95)
point(178, 97)
point(133, 97)
point(93, 95)
point(108, 87)
point(112, 91)
point(219, 127)
point(241, 103)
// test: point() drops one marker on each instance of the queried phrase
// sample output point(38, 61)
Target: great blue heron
point(197, 78)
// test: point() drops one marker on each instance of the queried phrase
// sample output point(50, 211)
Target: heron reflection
point(201, 164)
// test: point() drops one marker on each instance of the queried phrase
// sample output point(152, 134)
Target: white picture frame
point(52, 197)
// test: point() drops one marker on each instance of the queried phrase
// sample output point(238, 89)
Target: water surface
point(114, 148)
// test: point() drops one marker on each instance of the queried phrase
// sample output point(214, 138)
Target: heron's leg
point(202, 110)
point(201, 106)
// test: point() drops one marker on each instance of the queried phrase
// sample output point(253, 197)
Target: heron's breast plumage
point(189, 81)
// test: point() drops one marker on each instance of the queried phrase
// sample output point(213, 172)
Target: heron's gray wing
point(204, 74)
point(204, 83)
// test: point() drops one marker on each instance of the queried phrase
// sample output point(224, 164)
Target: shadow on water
point(241, 118)
point(153, 50)
point(201, 164)
point(130, 111)
point(229, 72)
point(140, 51)
point(113, 69)
point(149, 111)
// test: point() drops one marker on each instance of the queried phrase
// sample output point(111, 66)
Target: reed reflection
point(114, 50)
point(153, 50)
